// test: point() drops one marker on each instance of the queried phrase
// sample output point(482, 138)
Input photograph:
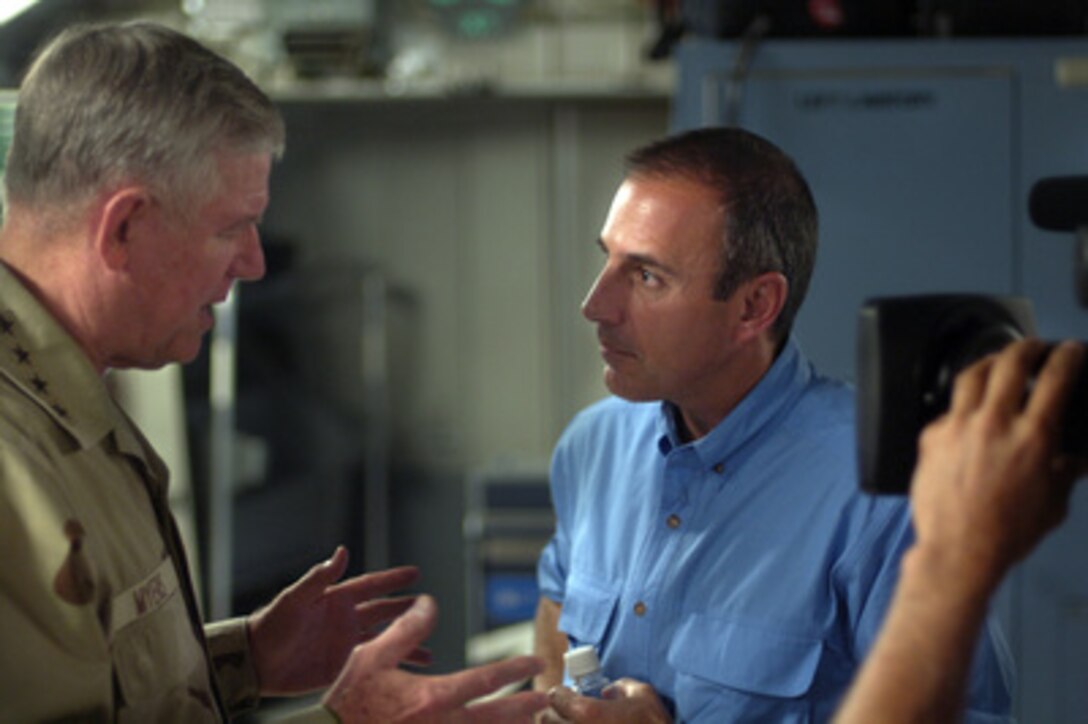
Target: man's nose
point(249, 264)
point(602, 303)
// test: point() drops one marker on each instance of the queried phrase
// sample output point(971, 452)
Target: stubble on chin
point(626, 388)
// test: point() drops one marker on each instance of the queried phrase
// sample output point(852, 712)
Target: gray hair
point(112, 103)
point(771, 222)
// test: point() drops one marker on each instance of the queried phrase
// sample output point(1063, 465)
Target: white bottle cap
point(581, 661)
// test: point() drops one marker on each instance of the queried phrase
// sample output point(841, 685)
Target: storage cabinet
point(508, 521)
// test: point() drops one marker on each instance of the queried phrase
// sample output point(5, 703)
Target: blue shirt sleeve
point(868, 581)
point(554, 562)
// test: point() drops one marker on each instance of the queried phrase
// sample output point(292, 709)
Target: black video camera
point(910, 350)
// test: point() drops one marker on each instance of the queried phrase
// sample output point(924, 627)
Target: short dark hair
point(771, 222)
point(108, 103)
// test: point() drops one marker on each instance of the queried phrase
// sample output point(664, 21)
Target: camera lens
point(964, 339)
point(967, 339)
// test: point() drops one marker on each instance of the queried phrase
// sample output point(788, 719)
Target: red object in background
point(826, 14)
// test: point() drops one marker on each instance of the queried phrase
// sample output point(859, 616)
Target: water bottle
point(584, 669)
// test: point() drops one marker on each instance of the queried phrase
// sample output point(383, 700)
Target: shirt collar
point(776, 391)
point(39, 357)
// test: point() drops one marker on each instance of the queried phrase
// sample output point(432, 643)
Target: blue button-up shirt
point(743, 575)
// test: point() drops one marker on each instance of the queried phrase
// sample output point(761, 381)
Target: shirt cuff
point(228, 644)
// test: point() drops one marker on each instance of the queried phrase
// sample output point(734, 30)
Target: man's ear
point(764, 298)
point(119, 223)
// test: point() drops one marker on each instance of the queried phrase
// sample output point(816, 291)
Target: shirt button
point(640, 609)
point(673, 521)
point(719, 468)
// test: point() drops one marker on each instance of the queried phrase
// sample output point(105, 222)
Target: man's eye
point(648, 277)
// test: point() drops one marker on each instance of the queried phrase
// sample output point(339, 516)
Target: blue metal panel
point(888, 224)
point(510, 597)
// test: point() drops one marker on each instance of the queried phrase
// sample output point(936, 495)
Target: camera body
point(910, 350)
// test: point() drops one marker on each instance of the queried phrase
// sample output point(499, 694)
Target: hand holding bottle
point(625, 701)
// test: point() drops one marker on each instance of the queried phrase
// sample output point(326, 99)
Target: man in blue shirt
point(711, 540)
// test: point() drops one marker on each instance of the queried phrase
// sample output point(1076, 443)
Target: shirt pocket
point(588, 608)
point(158, 660)
point(740, 671)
